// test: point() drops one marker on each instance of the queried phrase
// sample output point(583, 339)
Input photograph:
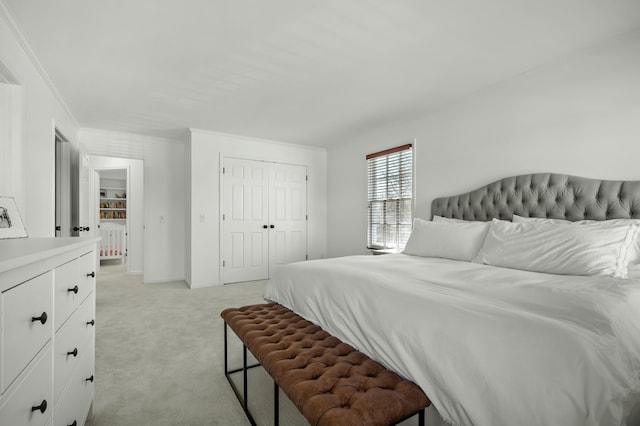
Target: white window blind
point(390, 177)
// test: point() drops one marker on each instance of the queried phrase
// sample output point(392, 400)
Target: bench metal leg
point(242, 398)
point(276, 404)
point(421, 418)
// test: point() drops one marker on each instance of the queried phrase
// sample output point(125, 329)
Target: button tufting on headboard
point(545, 195)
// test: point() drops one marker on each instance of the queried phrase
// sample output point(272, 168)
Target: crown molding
point(7, 15)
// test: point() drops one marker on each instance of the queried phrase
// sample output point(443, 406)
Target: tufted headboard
point(545, 195)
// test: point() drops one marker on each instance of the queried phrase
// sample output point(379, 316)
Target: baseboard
point(164, 280)
point(205, 284)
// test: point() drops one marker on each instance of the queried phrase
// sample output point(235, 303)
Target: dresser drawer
point(34, 391)
point(70, 349)
point(87, 271)
point(67, 287)
point(27, 317)
point(74, 281)
point(87, 317)
point(76, 399)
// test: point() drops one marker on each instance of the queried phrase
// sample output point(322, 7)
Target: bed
point(553, 341)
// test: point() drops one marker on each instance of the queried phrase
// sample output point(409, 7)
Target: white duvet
point(489, 346)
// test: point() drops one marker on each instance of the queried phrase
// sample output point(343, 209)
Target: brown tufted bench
point(328, 381)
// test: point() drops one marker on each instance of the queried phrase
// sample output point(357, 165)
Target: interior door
point(94, 202)
point(245, 223)
point(88, 199)
point(287, 213)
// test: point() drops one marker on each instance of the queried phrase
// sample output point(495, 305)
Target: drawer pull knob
point(74, 352)
point(90, 379)
point(75, 423)
point(74, 290)
point(42, 318)
point(92, 322)
point(92, 275)
point(42, 407)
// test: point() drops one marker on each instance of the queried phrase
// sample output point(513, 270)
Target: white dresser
point(47, 323)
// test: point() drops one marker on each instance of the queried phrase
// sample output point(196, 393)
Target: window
point(390, 176)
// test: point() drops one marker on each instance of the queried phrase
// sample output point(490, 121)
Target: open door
point(88, 199)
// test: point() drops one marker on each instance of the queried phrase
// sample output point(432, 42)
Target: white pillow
point(448, 240)
point(634, 252)
point(542, 246)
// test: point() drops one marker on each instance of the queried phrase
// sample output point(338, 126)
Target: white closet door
point(287, 213)
point(245, 229)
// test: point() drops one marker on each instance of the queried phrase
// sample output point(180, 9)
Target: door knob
point(272, 226)
point(264, 226)
point(42, 318)
point(42, 407)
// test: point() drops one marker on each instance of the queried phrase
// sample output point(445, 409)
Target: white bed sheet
point(489, 346)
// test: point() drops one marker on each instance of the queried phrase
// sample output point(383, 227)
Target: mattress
point(489, 346)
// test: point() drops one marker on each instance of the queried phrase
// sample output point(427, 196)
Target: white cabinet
point(47, 338)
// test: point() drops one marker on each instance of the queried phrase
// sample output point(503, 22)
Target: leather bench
point(330, 382)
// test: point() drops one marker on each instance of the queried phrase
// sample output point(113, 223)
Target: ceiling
point(302, 71)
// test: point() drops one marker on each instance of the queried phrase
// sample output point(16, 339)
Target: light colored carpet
point(160, 356)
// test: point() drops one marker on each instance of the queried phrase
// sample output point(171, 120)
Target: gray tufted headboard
point(545, 195)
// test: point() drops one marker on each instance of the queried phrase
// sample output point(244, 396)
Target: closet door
point(245, 230)
point(287, 213)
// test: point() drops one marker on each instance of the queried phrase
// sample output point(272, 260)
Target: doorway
point(264, 221)
point(129, 202)
point(112, 214)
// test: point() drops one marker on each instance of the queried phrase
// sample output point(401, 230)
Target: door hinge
point(222, 216)
point(306, 217)
point(224, 170)
point(306, 257)
point(306, 178)
point(224, 263)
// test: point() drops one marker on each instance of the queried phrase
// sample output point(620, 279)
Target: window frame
point(398, 244)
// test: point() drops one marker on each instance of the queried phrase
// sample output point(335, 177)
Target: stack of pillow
point(555, 246)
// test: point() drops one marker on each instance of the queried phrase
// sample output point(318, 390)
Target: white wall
point(164, 183)
point(579, 115)
point(33, 174)
point(203, 185)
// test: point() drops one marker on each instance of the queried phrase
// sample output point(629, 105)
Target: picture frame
point(11, 225)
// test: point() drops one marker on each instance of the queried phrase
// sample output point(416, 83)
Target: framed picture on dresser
point(11, 225)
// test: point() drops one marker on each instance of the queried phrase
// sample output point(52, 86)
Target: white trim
point(6, 13)
point(203, 284)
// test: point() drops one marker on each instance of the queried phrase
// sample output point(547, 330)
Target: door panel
point(244, 238)
point(287, 213)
